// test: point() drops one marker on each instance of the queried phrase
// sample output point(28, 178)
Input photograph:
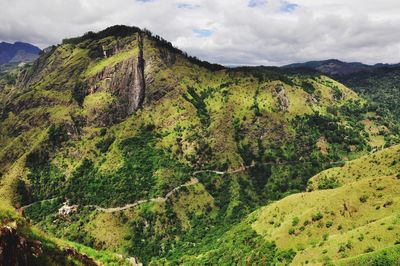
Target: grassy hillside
point(161, 153)
point(360, 216)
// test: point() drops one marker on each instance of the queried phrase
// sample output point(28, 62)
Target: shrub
point(369, 249)
point(337, 93)
point(104, 144)
point(295, 221)
point(328, 183)
point(57, 134)
point(317, 216)
point(342, 248)
point(329, 224)
point(364, 198)
point(308, 87)
point(291, 231)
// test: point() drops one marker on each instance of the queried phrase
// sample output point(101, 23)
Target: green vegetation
point(352, 218)
point(244, 138)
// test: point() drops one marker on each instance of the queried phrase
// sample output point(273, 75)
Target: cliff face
point(125, 80)
point(137, 90)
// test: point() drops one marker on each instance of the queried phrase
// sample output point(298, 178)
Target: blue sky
point(257, 3)
point(288, 7)
point(231, 32)
point(202, 33)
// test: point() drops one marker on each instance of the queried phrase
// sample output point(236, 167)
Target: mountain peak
point(17, 52)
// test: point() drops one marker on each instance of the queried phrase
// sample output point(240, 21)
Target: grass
point(337, 223)
point(382, 163)
point(111, 61)
point(385, 256)
point(228, 119)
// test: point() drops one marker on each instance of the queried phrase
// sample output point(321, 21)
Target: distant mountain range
point(17, 52)
point(334, 67)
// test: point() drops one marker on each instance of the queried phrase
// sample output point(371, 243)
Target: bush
point(317, 216)
point(291, 231)
point(369, 249)
point(364, 198)
point(329, 224)
point(308, 87)
point(104, 144)
point(57, 134)
point(328, 183)
point(295, 221)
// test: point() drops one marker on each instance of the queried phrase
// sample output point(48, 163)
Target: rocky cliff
point(117, 118)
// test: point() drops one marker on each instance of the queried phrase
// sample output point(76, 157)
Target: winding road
point(191, 182)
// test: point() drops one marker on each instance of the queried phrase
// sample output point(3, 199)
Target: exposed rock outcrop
point(282, 98)
point(80, 257)
point(16, 249)
point(136, 92)
point(125, 80)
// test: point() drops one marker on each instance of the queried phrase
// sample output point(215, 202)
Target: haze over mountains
point(118, 148)
point(18, 52)
point(336, 67)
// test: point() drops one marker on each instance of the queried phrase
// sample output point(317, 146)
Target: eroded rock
point(16, 249)
point(282, 98)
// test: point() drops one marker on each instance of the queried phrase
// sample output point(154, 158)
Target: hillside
point(378, 83)
point(353, 211)
point(355, 223)
point(154, 154)
point(333, 67)
point(22, 244)
point(380, 86)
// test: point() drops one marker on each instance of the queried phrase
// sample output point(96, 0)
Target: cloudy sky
point(231, 32)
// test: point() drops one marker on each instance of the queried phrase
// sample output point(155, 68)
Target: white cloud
point(272, 32)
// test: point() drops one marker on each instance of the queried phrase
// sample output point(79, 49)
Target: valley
point(164, 159)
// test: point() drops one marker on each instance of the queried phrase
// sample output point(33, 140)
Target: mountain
point(379, 83)
point(333, 67)
point(17, 52)
point(337, 68)
point(348, 216)
point(120, 142)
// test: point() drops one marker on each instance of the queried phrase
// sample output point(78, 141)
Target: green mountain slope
point(359, 216)
point(153, 153)
point(356, 223)
point(378, 83)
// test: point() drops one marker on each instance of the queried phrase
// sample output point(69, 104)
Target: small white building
point(67, 209)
